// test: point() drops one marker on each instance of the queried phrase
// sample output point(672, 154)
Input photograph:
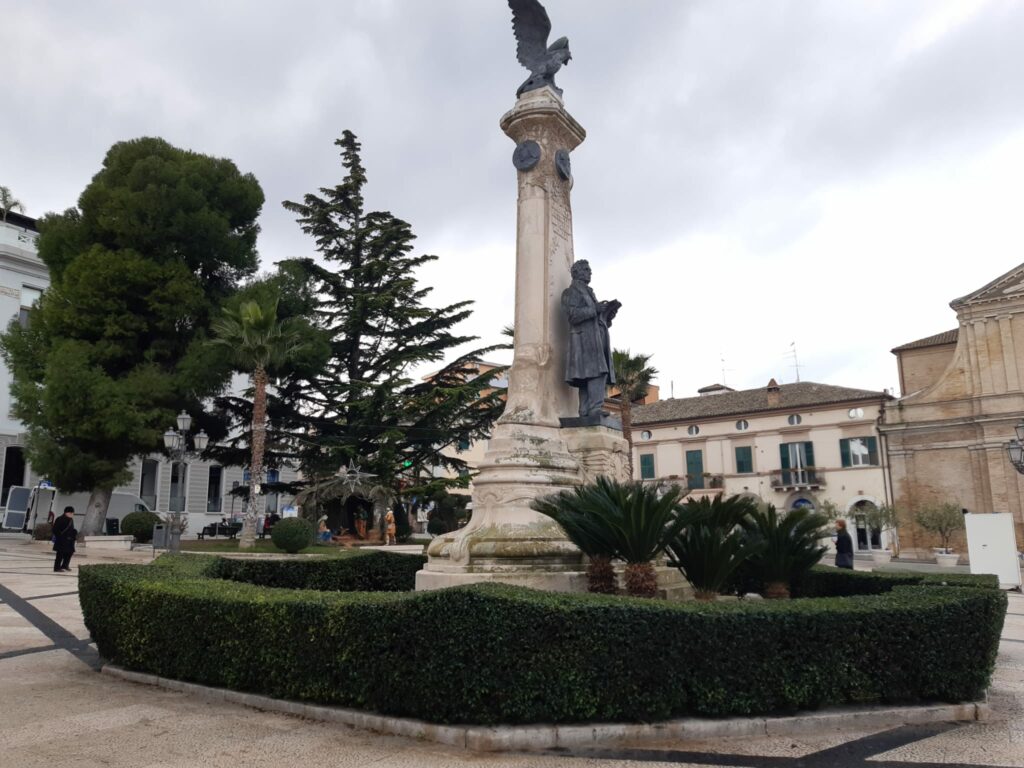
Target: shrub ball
point(292, 534)
point(140, 525)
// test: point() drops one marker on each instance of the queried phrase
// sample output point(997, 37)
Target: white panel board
point(993, 547)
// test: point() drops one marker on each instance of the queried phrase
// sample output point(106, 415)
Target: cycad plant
point(582, 514)
point(634, 521)
point(788, 545)
point(712, 543)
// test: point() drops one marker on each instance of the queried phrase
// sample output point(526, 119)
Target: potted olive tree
point(943, 520)
point(882, 518)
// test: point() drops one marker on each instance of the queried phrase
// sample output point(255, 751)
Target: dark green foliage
point(292, 534)
point(363, 405)
point(825, 581)
point(437, 526)
point(372, 571)
point(116, 346)
point(140, 525)
point(712, 544)
point(540, 657)
point(788, 545)
point(402, 528)
point(626, 520)
point(43, 532)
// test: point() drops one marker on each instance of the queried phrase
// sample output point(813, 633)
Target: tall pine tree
point(365, 406)
point(116, 346)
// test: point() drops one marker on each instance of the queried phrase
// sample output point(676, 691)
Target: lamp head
point(184, 422)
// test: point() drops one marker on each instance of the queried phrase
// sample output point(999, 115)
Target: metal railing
point(798, 478)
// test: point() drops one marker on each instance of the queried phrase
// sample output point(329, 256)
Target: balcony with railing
point(795, 479)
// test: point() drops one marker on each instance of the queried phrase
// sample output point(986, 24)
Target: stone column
point(527, 455)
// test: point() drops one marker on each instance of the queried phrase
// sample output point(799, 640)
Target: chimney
point(773, 394)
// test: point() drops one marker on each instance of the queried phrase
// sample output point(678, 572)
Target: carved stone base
point(600, 450)
point(506, 540)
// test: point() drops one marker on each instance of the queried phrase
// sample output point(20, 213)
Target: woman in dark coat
point(844, 546)
point(64, 535)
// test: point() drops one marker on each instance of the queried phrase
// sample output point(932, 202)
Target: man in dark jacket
point(589, 359)
point(64, 535)
point(844, 546)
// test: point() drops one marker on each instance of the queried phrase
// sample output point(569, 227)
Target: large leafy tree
point(369, 404)
point(257, 342)
point(116, 346)
point(633, 377)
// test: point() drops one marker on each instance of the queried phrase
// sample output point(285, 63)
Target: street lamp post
point(1015, 448)
point(176, 443)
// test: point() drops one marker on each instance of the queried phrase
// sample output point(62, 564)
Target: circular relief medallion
point(526, 155)
point(563, 165)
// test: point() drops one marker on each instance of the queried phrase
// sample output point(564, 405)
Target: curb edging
point(541, 737)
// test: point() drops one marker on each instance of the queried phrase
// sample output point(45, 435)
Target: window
point(147, 482)
point(645, 435)
point(214, 489)
point(695, 469)
point(859, 452)
point(744, 460)
point(797, 460)
point(29, 296)
point(855, 413)
point(179, 486)
point(742, 425)
point(646, 466)
point(272, 497)
point(693, 429)
point(463, 445)
point(794, 419)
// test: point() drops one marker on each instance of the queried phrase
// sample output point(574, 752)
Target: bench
point(220, 529)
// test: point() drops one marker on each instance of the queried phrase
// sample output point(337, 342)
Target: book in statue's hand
point(611, 309)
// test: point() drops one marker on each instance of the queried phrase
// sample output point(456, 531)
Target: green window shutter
point(646, 466)
point(695, 468)
point(844, 451)
point(744, 460)
point(784, 455)
point(808, 454)
point(872, 444)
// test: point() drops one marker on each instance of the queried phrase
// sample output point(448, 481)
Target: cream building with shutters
point(791, 445)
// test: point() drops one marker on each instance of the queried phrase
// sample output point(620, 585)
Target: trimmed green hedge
point(372, 571)
point(825, 581)
point(496, 654)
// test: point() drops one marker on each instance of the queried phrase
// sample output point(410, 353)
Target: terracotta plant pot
point(776, 590)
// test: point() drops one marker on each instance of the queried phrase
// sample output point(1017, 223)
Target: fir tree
point(365, 406)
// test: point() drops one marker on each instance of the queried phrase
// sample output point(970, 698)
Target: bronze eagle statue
point(532, 27)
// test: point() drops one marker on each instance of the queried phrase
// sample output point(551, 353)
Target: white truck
point(27, 507)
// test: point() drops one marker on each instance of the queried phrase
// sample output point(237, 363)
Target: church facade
point(963, 394)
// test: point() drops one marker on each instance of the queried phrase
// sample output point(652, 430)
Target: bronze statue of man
point(589, 358)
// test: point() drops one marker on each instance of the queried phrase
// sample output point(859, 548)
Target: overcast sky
point(755, 173)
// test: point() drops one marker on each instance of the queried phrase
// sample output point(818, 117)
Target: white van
point(40, 502)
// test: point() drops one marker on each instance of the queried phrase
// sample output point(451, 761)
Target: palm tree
point(256, 340)
point(633, 376)
point(8, 203)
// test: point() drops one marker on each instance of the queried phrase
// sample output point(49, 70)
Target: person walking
point(64, 535)
point(844, 546)
point(390, 528)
